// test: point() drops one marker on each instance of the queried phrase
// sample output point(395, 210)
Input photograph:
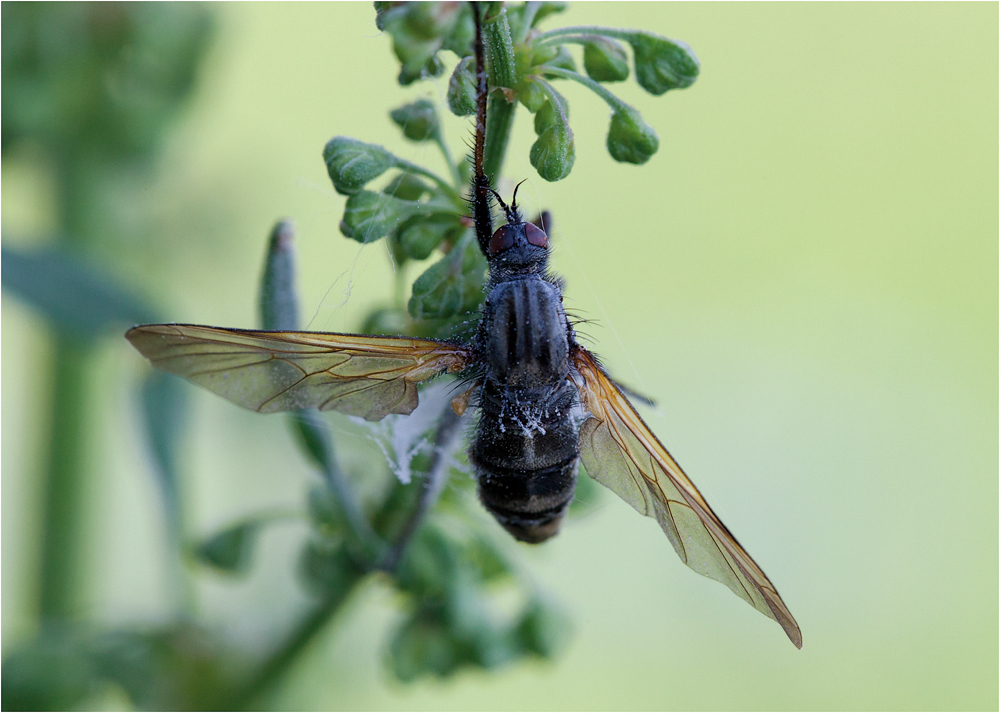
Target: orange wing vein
point(355, 374)
point(619, 451)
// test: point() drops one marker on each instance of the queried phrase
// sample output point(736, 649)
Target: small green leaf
point(630, 139)
point(605, 60)
point(433, 67)
point(313, 435)
point(387, 321)
point(451, 286)
point(325, 510)
point(164, 410)
point(421, 235)
point(421, 647)
point(230, 550)
point(369, 216)
point(462, 88)
point(662, 64)
point(328, 570)
point(78, 298)
point(279, 306)
point(418, 120)
point(406, 186)
point(352, 163)
point(543, 629)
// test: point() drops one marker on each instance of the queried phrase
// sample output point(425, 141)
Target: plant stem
point(613, 101)
point(63, 487)
point(502, 73)
point(437, 476)
point(285, 655)
point(563, 34)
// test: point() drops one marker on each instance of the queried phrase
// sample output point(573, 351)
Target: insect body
point(545, 402)
point(525, 448)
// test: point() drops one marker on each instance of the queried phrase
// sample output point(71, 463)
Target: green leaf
point(51, 672)
point(78, 298)
point(662, 64)
point(313, 436)
point(630, 139)
point(370, 216)
point(164, 410)
point(605, 60)
point(352, 163)
point(387, 320)
point(421, 647)
point(406, 186)
point(419, 236)
point(418, 120)
point(462, 88)
point(328, 571)
point(451, 286)
point(325, 510)
point(230, 550)
point(279, 305)
point(543, 629)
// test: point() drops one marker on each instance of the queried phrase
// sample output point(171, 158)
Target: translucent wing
point(356, 374)
point(620, 452)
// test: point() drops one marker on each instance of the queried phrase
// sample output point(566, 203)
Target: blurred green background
point(804, 276)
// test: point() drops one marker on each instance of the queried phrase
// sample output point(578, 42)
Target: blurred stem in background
point(95, 88)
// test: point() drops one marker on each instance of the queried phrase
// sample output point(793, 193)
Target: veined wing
point(356, 374)
point(619, 451)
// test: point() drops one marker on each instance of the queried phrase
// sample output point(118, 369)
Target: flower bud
point(462, 88)
point(605, 60)
point(418, 120)
point(553, 152)
point(532, 96)
point(352, 163)
point(630, 139)
point(409, 73)
point(662, 64)
point(279, 307)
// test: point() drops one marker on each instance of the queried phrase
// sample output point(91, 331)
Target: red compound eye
point(536, 236)
point(501, 240)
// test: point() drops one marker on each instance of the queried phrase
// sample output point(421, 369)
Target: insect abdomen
point(525, 449)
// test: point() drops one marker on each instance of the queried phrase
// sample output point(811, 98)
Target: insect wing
point(619, 451)
point(355, 374)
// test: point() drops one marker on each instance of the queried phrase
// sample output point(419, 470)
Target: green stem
point(530, 10)
point(613, 101)
point(414, 168)
point(563, 34)
point(276, 665)
point(557, 100)
point(63, 483)
point(502, 73)
point(456, 177)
